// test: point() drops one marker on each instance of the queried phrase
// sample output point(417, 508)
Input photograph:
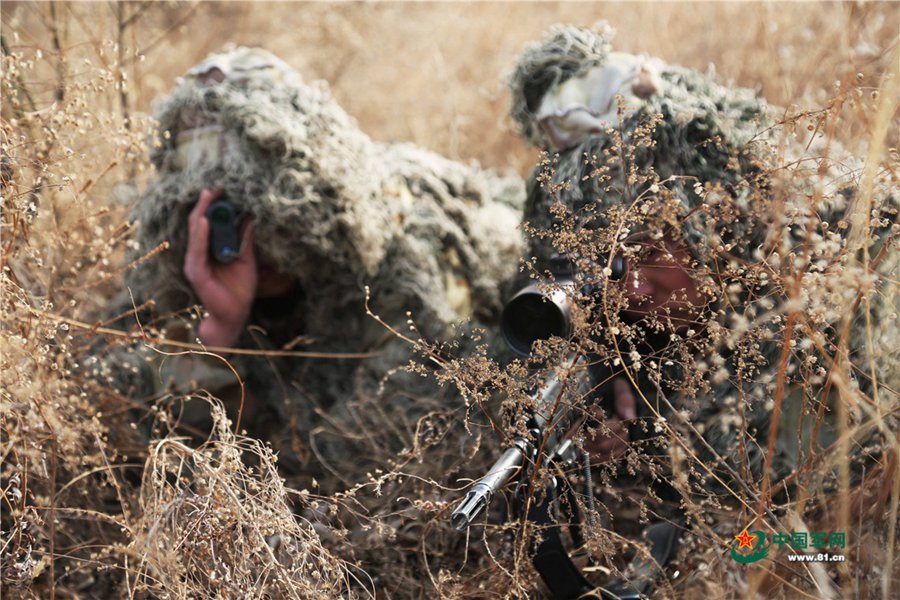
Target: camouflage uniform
point(682, 152)
point(433, 240)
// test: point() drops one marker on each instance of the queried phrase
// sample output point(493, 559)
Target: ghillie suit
point(640, 150)
point(433, 240)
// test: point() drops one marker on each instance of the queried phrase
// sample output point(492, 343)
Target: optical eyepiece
point(224, 230)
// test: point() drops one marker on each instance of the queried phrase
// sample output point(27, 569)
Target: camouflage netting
point(702, 131)
point(337, 212)
point(640, 147)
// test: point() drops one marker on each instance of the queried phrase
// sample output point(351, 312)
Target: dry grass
point(432, 74)
point(91, 511)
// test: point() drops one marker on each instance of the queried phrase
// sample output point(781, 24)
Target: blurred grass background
point(433, 73)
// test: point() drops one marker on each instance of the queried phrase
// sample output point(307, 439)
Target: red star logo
point(746, 540)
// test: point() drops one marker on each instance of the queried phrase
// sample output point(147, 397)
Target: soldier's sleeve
point(145, 370)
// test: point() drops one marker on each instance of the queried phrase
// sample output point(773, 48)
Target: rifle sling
point(551, 560)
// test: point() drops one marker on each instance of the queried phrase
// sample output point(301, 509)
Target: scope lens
point(529, 318)
point(220, 215)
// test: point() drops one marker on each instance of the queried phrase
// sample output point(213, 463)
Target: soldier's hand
point(226, 290)
point(612, 438)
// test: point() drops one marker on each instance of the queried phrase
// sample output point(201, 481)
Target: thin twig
point(159, 341)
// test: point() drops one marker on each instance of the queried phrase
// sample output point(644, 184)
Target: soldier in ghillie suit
point(729, 349)
point(326, 214)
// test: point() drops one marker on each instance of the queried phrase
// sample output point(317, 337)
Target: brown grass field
point(80, 519)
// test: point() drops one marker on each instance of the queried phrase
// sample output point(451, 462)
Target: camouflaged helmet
point(706, 151)
point(574, 97)
point(331, 208)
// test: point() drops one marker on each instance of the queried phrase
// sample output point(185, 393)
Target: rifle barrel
point(480, 495)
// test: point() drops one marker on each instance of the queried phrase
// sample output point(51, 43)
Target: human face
point(271, 283)
point(658, 285)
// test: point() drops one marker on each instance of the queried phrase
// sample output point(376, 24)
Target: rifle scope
point(540, 311)
point(536, 314)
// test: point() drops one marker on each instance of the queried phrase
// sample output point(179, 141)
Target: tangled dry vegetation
point(91, 509)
